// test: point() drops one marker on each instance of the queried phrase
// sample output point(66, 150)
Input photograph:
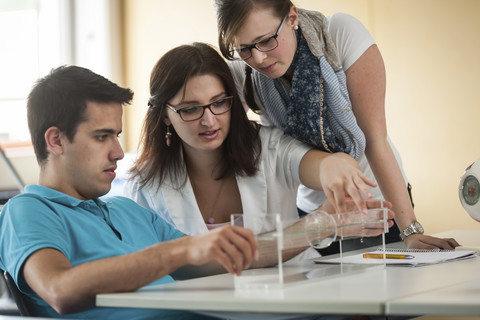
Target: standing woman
point(321, 80)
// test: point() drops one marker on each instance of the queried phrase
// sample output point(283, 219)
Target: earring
point(168, 134)
point(295, 27)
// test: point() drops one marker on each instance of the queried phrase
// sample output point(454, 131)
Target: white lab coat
point(272, 190)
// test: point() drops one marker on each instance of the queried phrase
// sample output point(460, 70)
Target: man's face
point(90, 160)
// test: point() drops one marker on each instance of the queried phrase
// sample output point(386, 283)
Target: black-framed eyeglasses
point(265, 45)
point(192, 113)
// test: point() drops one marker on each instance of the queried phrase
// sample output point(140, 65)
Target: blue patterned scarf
point(316, 109)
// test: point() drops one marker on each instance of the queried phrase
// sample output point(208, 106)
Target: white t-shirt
point(351, 39)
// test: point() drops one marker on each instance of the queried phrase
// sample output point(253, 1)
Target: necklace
point(210, 219)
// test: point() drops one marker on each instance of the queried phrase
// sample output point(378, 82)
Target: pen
point(387, 256)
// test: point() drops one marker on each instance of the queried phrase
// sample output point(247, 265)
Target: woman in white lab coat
point(201, 159)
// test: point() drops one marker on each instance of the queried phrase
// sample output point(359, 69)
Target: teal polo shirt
point(83, 231)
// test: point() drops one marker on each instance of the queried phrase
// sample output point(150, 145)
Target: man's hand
point(69, 289)
point(231, 246)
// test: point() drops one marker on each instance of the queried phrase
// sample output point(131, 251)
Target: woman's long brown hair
point(157, 161)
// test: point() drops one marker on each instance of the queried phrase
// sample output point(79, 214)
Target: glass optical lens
point(220, 106)
point(191, 113)
point(267, 44)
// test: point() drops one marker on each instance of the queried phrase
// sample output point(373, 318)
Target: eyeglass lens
point(264, 45)
point(196, 112)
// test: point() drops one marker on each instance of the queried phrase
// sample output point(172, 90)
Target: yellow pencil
point(387, 256)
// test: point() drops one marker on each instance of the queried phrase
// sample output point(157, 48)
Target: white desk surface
point(468, 238)
point(457, 300)
point(461, 299)
point(316, 288)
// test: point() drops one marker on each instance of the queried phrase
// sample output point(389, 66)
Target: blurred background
point(430, 49)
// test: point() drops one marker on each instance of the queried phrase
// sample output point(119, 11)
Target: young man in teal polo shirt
point(62, 244)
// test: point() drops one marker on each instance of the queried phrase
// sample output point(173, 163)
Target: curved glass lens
point(221, 106)
point(217, 107)
point(245, 53)
point(320, 229)
point(191, 113)
point(267, 44)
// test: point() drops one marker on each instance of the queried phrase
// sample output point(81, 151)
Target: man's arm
point(71, 289)
point(295, 240)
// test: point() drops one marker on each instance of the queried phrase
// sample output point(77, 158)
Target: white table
point(457, 300)
point(325, 289)
point(461, 299)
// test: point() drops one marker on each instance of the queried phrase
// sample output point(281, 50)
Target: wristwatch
point(414, 227)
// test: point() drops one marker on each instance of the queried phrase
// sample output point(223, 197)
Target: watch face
point(471, 190)
point(419, 227)
point(414, 228)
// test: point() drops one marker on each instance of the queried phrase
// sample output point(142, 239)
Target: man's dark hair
point(60, 100)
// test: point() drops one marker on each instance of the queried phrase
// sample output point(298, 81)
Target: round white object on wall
point(469, 190)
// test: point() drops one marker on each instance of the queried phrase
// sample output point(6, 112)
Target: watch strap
point(414, 228)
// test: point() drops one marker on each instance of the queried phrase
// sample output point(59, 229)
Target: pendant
point(211, 220)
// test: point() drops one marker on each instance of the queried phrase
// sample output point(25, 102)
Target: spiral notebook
point(414, 257)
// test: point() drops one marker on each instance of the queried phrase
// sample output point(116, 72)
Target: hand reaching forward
point(342, 179)
point(231, 246)
point(357, 223)
point(329, 207)
point(422, 241)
